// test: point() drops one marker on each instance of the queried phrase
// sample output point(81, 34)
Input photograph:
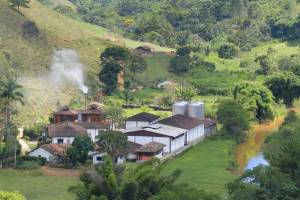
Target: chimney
point(79, 118)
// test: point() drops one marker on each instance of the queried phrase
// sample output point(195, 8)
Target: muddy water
point(257, 136)
point(248, 154)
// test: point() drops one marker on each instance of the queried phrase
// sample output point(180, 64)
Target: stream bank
point(248, 154)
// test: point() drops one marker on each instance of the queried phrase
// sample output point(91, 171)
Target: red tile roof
point(56, 149)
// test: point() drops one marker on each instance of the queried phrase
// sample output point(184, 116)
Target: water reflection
point(256, 161)
point(251, 148)
point(248, 154)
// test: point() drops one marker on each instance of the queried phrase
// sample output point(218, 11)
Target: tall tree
point(256, 99)
point(114, 143)
point(284, 86)
point(19, 3)
point(78, 151)
point(137, 64)
point(234, 118)
point(10, 93)
point(114, 112)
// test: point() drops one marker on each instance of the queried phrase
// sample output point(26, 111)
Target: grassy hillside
point(33, 56)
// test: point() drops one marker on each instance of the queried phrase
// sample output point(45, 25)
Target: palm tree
point(10, 93)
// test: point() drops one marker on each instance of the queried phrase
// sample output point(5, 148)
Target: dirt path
point(24, 146)
point(50, 171)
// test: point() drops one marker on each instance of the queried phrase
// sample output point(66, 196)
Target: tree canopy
point(114, 143)
point(19, 3)
point(234, 118)
point(285, 86)
point(78, 151)
point(144, 182)
point(256, 99)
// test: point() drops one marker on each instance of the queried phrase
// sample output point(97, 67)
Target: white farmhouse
point(140, 120)
point(53, 153)
point(65, 132)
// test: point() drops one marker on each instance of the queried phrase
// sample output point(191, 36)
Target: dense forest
point(175, 23)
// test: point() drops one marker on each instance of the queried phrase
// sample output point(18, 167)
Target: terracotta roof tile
point(56, 149)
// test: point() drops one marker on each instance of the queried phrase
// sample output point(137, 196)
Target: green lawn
point(35, 186)
point(204, 166)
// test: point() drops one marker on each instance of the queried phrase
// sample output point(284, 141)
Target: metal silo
point(196, 109)
point(180, 107)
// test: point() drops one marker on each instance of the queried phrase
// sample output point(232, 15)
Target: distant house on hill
point(141, 119)
point(144, 50)
point(53, 153)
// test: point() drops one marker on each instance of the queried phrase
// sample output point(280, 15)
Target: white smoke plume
point(66, 67)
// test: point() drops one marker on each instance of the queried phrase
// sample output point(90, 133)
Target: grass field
point(204, 166)
point(35, 186)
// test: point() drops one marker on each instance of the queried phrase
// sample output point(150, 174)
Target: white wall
point(66, 140)
point(134, 124)
point(40, 152)
point(95, 161)
point(177, 143)
point(93, 133)
point(195, 133)
point(147, 139)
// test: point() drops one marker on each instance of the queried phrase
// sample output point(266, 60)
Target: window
point(60, 141)
point(99, 158)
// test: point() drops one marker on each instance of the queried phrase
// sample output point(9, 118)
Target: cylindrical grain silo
point(196, 109)
point(180, 107)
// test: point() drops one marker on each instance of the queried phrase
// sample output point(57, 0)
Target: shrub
point(27, 165)
point(34, 131)
point(228, 51)
point(39, 160)
point(11, 196)
point(30, 30)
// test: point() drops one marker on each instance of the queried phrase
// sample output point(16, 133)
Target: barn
point(194, 126)
point(172, 137)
